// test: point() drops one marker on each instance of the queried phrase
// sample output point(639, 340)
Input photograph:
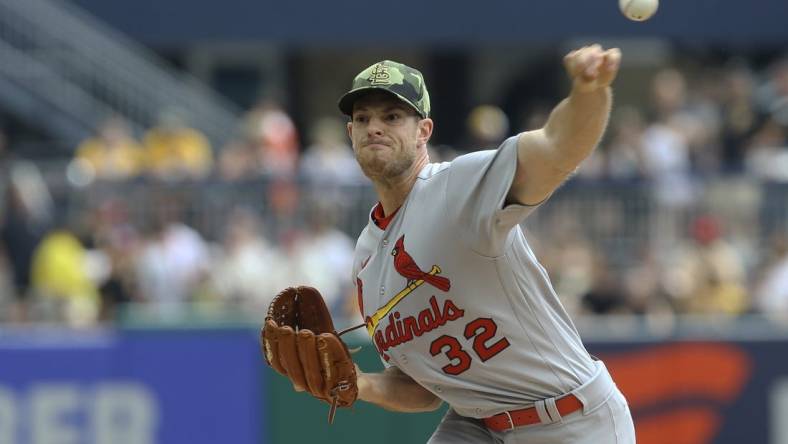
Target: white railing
point(126, 77)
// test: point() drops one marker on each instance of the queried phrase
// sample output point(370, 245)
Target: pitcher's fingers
point(612, 59)
point(609, 70)
point(571, 63)
point(592, 65)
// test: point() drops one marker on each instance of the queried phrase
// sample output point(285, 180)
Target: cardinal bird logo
point(406, 266)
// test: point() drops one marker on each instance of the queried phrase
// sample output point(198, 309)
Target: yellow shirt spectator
point(59, 271)
point(173, 153)
point(113, 153)
point(121, 161)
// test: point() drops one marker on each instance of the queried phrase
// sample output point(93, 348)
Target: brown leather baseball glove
point(299, 341)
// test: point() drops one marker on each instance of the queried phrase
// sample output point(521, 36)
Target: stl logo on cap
point(404, 82)
point(379, 75)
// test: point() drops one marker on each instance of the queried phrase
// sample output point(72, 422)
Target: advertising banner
point(688, 392)
point(134, 387)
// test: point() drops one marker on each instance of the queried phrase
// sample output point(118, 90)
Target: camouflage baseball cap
point(401, 80)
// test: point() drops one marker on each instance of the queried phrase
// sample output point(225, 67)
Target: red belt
point(516, 418)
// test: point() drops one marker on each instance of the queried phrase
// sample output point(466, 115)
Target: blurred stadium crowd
point(682, 210)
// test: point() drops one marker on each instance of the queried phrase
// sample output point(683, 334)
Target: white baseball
point(638, 10)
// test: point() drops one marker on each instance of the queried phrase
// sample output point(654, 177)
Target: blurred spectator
point(624, 155)
point(329, 159)
point(605, 295)
point(284, 221)
point(487, 127)
point(112, 154)
point(772, 96)
point(115, 242)
point(645, 287)
point(60, 278)
point(770, 293)
point(20, 236)
point(173, 151)
point(740, 117)
point(665, 144)
point(323, 256)
point(666, 156)
point(700, 122)
point(248, 271)
point(707, 275)
point(273, 138)
point(666, 162)
point(269, 145)
point(568, 255)
point(767, 154)
point(237, 161)
point(172, 263)
point(620, 156)
point(668, 94)
point(27, 217)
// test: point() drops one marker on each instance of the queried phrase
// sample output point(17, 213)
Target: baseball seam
point(626, 7)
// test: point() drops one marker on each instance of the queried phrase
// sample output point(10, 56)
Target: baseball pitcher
point(453, 297)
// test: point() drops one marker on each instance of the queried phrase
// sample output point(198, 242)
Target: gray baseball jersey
point(454, 297)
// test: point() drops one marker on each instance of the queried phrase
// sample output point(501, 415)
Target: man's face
point(386, 135)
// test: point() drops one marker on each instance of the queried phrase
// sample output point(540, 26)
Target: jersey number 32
point(482, 330)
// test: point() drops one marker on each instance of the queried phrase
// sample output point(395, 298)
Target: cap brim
point(346, 102)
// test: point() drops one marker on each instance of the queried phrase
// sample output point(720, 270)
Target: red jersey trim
point(380, 220)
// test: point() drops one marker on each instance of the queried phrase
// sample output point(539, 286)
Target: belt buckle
point(511, 421)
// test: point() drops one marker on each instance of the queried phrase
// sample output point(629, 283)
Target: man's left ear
point(425, 129)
